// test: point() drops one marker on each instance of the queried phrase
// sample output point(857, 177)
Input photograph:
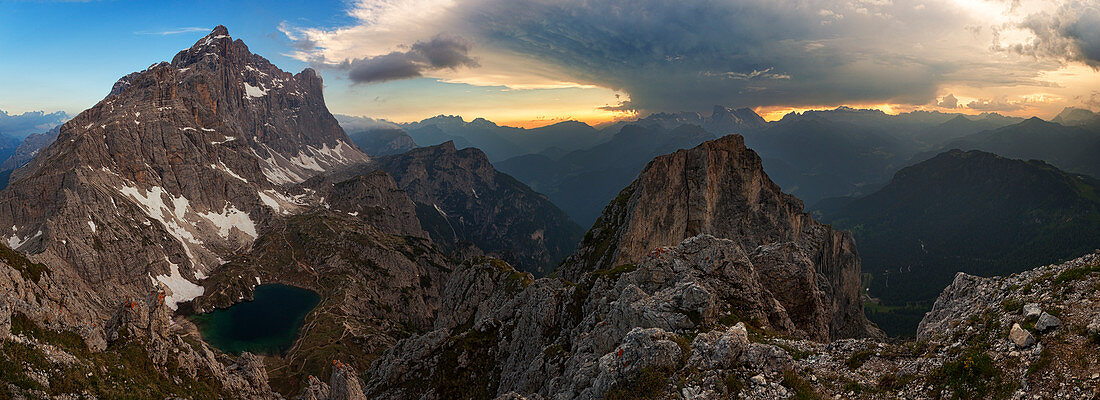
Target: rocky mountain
point(178, 168)
point(31, 122)
point(703, 318)
point(1031, 334)
point(376, 137)
point(648, 276)
point(25, 151)
point(973, 212)
point(379, 276)
point(382, 142)
point(1066, 147)
point(461, 199)
point(722, 120)
point(816, 158)
point(1072, 116)
point(502, 142)
point(720, 188)
point(582, 181)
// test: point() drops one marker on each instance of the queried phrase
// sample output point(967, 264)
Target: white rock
point(1020, 337)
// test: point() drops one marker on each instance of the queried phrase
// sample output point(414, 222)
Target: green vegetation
point(1074, 274)
point(891, 382)
point(124, 371)
point(857, 358)
point(1002, 216)
point(476, 377)
point(601, 237)
point(29, 270)
point(1012, 304)
point(897, 320)
point(973, 375)
point(614, 273)
point(649, 383)
point(734, 384)
point(802, 389)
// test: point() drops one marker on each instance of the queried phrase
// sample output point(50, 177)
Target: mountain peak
point(719, 188)
point(219, 30)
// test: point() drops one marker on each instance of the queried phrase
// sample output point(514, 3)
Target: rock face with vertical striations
point(178, 167)
point(719, 188)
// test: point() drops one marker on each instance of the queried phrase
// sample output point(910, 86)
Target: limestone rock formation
point(719, 188)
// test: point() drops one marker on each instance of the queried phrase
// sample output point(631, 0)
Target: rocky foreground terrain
point(701, 280)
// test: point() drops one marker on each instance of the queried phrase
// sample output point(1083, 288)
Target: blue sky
point(66, 55)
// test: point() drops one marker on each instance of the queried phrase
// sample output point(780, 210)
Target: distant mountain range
point(581, 181)
point(22, 125)
point(973, 212)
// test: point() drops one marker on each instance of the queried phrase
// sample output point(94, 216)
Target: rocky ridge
point(462, 200)
point(632, 335)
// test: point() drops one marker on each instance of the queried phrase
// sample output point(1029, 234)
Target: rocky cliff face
point(460, 198)
point(180, 166)
point(719, 188)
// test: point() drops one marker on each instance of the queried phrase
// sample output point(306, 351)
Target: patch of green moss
point(1046, 356)
point(734, 384)
point(614, 273)
point(892, 382)
point(792, 351)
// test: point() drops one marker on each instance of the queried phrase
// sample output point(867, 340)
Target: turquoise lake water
point(267, 325)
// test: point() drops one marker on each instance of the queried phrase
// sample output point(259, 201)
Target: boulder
point(1032, 310)
point(1020, 337)
point(1047, 321)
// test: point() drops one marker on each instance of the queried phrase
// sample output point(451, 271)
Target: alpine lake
point(267, 325)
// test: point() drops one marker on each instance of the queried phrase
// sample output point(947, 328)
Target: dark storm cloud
point(441, 52)
point(672, 55)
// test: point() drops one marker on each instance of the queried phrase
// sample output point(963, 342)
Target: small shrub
point(857, 358)
point(650, 383)
point(734, 384)
point(973, 375)
point(892, 382)
point(1012, 305)
point(802, 389)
